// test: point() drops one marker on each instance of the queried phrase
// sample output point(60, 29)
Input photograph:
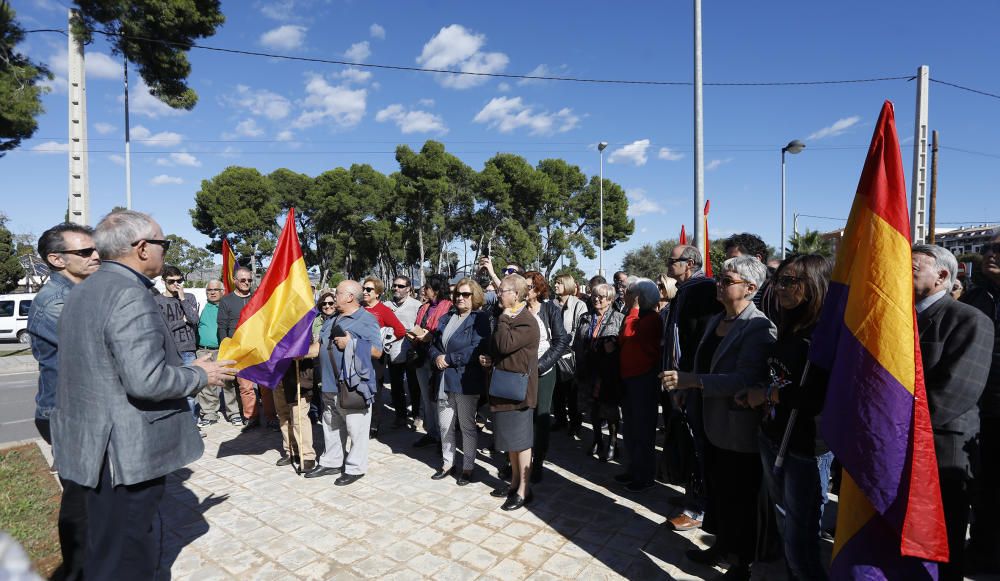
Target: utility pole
point(128, 148)
point(79, 187)
point(933, 207)
point(918, 185)
point(699, 144)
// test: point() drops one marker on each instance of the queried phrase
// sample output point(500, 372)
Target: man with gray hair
point(121, 420)
point(690, 312)
point(956, 341)
point(984, 542)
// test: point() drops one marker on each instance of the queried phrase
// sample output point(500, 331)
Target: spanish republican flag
point(890, 523)
point(276, 325)
point(684, 237)
point(228, 267)
point(708, 245)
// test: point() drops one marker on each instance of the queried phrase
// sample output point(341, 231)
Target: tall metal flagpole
point(699, 145)
point(128, 149)
point(918, 185)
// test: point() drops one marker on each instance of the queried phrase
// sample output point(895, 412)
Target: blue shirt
point(43, 321)
point(360, 324)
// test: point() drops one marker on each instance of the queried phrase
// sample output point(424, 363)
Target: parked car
point(14, 317)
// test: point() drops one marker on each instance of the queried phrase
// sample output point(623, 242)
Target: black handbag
point(348, 398)
point(509, 385)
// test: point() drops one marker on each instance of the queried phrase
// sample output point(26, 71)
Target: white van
point(14, 317)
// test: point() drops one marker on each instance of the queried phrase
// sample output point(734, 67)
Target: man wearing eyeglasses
point(68, 250)
point(121, 421)
point(208, 344)
point(983, 554)
point(405, 307)
point(180, 311)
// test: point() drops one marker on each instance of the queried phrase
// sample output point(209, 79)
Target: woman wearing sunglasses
point(462, 336)
point(800, 486)
point(392, 330)
point(731, 357)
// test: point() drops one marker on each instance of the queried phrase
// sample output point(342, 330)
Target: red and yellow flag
point(228, 267)
point(708, 245)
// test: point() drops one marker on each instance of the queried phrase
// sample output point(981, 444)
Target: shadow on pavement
point(181, 518)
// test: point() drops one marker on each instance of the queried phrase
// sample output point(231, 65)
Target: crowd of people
point(717, 366)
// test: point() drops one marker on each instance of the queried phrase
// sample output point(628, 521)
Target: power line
point(969, 89)
point(939, 223)
point(187, 46)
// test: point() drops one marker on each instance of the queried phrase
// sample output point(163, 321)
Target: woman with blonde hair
point(565, 397)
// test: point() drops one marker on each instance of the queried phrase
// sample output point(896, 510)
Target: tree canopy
point(10, 267)
point(20, 88)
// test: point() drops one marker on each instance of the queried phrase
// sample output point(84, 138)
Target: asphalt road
point(17, 406)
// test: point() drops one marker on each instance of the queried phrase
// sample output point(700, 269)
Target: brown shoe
point(683, 522)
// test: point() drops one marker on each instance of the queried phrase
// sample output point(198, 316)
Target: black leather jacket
point(552, 317)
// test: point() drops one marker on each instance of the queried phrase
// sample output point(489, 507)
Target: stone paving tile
point(234, 515)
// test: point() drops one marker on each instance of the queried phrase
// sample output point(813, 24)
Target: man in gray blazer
point(121, 421)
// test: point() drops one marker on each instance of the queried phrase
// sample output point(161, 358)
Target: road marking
point(16, 422)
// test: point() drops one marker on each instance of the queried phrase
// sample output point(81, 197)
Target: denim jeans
point(799, 490)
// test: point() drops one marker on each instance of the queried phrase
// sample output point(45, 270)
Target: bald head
point(348, 297)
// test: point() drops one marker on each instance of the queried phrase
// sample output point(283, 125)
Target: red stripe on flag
point(708, 245)
point(287, 252)
point(228, 267)
point(684, 237)
point(883, 173)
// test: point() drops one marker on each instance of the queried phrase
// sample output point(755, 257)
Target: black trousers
point(732, 480)
point(122, 542)
point(956, 497)
point(984, 544)
point(396, 371)
point(565, 400)
point(72, 522)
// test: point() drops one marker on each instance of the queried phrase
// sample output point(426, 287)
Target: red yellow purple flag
point(228, 267)
point(708, 245)
point(890, 522)
point(276, 325)
point(684, 237)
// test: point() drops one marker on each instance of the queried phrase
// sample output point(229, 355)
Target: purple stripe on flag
point(295, 343)
point(831, 324)
point(873, 553)
point(866, 422)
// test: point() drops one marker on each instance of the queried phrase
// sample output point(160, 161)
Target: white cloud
point(164, 179)
point(116, 159)
point(426, 102)
point(231, 152)
point(339, 104)
point(248, 128)
point(285, 135)
point(104, 128)
point(354, 75)
point(633, 153)
point(716, 163)
point(539, 71)
point(669, 154)
point(358, 52)
point(377, 31)
point(179, 158)
point(281, 10)
point(504, 87)
point(287, 37)
point(98, 65)
point(161, 139)
point(142, 102)
point(49, 147)
point(507, 114)
point(639, 203)
point(838, 127)
point(261, 102)
point(455, 48)
point(412, 121)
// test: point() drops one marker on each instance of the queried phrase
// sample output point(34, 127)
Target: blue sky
point(311, 117)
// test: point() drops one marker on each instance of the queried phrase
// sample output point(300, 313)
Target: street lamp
point(794, 146)
point(600, 262)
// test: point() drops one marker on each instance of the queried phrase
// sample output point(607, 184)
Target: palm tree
point(810, 242)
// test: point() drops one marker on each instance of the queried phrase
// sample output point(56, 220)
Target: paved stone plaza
point(233, 514)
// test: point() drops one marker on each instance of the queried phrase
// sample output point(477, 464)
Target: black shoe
point(399, 423)
point(514, 502)
point(623, 478)
point(321, 471)
point(308, 465)
point(612, 453)
point(372, 433)
point(251, 424)
point(502, 491)
point(638, 486)
point(346, 479)
point(286, 460)
point(425, 440)
point(441, 474)
point(505, 472)
point(464, 478)
point(709, 556)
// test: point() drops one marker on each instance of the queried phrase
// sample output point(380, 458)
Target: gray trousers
point(428, 401)
point(460, 409)
point(338, 425)
point(208, 397)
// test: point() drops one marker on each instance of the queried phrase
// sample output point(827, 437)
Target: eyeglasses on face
point(244, 280)
point(509, 270)
point(368, 289)
point(174, 280)
point(213, 290)
point(463, 295)
point(727, 282)
point(673, 261)
point(327, 303)
point(401, 286)
point(81, 252)
point(507, 290)
point(165, 244)
point(601, 298)
point(787, 280)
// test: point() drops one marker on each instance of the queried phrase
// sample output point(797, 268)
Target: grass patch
point(29, 505)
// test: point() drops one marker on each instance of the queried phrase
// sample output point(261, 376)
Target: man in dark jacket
point(983, 554)
point(690, 312)
point(955, 345)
